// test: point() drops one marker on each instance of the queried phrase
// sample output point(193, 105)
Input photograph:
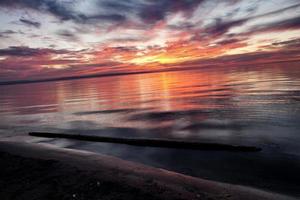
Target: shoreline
point(49, 172)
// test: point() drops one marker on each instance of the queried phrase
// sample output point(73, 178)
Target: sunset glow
point(48, 39)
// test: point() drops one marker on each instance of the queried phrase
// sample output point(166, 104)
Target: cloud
point(30, 23)
point(7, 33)
point(288, 44)
point(292, 23)
point(103, 17)
point(19, 51)
point(128, 39)
point(123, 6)
point(283, 54)
point(63, 10)
point(54, 7)
point(135, 32)
point(24, 51)
point(153, 11)
point(229, 41)
point(20, 62)
point(69, 35)
point(181, 26)
point(24, 62)
point(221, 26)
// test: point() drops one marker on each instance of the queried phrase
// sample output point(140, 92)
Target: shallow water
point(242, 105)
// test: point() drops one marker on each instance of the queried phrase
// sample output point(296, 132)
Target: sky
point(60, 38)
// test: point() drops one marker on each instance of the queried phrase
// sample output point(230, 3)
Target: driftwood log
point(167, 143)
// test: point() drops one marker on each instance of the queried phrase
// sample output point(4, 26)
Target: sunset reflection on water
point(221, 93)
point(250, 105)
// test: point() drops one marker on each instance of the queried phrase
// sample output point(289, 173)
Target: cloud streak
point(142, 35)
point(30, 23)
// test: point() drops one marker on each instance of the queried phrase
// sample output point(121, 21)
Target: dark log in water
point(179, 144)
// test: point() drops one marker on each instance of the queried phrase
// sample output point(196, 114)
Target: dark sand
point(35, 171)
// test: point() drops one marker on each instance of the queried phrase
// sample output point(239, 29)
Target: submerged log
point(156, 142)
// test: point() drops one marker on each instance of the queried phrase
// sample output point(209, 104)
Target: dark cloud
point(24, 51)
point(19, 51)
point(289, 44)
point(7, 33)
point(124, 6)
point(150, 11)
point(108, 18)
point(287, 24)
point(293, 23)
point(233, 13)
point(30, 23)
point(52, 6)
point(62, 10)
point(229, 41)
point(182, 26)
point(281, 10)
point(129, 39)
point(125, 48)
point(66, 34)
point(153, 11)
point(29, 3)
point(221, 26)
point(280, 55)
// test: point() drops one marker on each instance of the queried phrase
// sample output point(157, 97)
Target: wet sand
point(36, 171)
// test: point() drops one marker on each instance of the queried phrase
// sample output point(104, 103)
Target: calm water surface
point(253, 105)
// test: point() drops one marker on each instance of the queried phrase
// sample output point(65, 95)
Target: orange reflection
point(204, 89)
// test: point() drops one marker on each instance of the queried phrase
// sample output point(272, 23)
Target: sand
point(40, 171)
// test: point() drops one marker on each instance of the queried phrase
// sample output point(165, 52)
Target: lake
point(239, 105)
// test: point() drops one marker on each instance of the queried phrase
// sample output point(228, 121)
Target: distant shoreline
point(121, 74)
point(90, 76)
point(47, 172)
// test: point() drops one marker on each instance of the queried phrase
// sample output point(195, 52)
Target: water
point(243, 105)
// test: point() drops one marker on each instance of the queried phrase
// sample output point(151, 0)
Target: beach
point(40, 171)
point(144, 99)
